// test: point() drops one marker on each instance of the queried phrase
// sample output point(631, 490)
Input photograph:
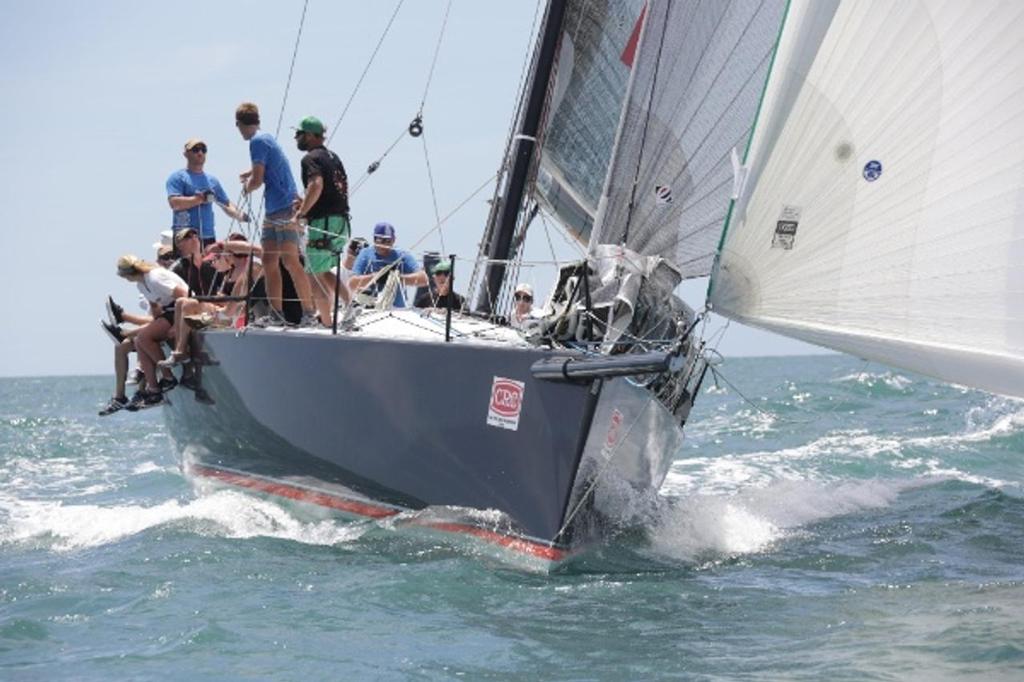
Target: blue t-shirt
point(369, 261)
point(184, 183)
point(277, 177)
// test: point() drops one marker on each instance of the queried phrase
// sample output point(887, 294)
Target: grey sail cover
point(584, 108)
point(700, 70)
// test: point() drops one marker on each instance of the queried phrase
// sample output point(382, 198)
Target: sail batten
point(884, 209)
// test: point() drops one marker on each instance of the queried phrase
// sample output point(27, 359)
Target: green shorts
point(326, 237)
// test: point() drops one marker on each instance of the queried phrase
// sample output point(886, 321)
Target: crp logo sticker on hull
point(506, 403)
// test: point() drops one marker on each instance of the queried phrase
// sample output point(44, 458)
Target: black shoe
point(135, 404)
point(114, 311)
point(153, 400)
point(115, 405)
point(202, 396)
point(113, 331)
point(167, 384)
point(190, 381)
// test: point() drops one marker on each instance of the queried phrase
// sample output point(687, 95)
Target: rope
point(433, 191)
point(366, 69)
point(291, 69)
point(437, 51)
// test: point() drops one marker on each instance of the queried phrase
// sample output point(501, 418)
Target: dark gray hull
point(374, 427)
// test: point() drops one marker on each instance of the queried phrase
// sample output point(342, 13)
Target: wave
point(223, 513)
point(709, 527)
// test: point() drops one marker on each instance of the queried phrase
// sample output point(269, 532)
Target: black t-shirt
point(424, 300)
point(201, 281)
point(334, 197)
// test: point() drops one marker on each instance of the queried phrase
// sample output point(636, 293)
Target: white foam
point(897, 382)
point(752, 520)
point(225, 513)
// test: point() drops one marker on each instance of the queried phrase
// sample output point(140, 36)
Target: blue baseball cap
point(384, 230)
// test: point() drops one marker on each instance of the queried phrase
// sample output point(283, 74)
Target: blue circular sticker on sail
point(872, 170)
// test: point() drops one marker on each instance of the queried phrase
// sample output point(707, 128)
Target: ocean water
point(827, 519)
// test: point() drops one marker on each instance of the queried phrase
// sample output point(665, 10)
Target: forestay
point(884, 212)
point(700, 70)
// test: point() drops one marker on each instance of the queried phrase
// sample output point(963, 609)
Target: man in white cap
point(522, 312)
point(191, 193)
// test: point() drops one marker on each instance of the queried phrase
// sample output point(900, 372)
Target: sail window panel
point(585, 107)
point(923, 265)
point(699, 76)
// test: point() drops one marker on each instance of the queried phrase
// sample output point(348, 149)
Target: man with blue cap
point(370, 262)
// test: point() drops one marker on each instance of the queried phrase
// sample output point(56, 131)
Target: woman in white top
point(161, 288)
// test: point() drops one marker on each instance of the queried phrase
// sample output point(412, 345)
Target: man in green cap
point(324, 209)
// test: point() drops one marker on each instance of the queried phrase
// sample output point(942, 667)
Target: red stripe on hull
point(511, 542)
point(300, 494)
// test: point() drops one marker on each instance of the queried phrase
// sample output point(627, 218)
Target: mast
point(498, 237)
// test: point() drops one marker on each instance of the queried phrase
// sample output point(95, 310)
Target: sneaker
point(115, 405)
point(113, 331)
point(190, 381)
point(167, 384)
point(137, 377)
point(175, 358)
point(114, 311)
point(309, 321)
point(136, 401)
point(153, 400)
point(271, 319)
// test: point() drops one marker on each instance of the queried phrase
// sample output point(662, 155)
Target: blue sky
point(100, 97)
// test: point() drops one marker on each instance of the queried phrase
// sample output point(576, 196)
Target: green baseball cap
point(312, 125)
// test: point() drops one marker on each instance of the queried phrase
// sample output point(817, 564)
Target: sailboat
point(847, 173)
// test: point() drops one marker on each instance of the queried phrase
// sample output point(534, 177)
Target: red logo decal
point(506, 398)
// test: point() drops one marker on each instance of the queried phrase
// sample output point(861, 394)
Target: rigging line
point(437, 51)
point(433, 193)
point(291, 69)
point(602, 466)
point(376, 164)
point(453, 211)
point(717, 374)
point(366, 69)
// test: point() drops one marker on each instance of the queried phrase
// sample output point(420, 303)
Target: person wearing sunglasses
point(191, 193)
point(438, 295)
point(522, 311)
point(371, 263)
point(325, 210)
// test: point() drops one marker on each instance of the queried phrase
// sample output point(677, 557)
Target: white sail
point(700, 71)
point(884, 212)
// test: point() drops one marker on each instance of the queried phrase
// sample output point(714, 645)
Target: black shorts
point(168, 314)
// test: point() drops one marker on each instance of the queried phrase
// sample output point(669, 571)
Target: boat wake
point(223, 513)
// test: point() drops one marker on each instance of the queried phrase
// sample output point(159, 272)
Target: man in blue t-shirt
point(384, 254)
point(191, 193)
point(281, 232)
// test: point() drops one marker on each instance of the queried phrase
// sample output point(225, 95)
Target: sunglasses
point(443, 273)
point(523, 297)
point(165, 257)
point(198, 149)
point(382, 240)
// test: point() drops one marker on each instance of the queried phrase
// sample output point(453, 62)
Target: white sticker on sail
point(506, 403)
point(785, 228)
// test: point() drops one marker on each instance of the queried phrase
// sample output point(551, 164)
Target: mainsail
point(594, 60)
point(700, 71)
point(884, 212)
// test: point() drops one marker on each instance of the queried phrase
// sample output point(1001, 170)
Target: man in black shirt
point(438, 295)
point(325, 210)
point(202, 278)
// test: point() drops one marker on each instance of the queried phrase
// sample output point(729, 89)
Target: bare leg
point(291, 262)
point(322, 286)
point(188, 306)
point(121, 352)
point(272, 273)
point(147, 343)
